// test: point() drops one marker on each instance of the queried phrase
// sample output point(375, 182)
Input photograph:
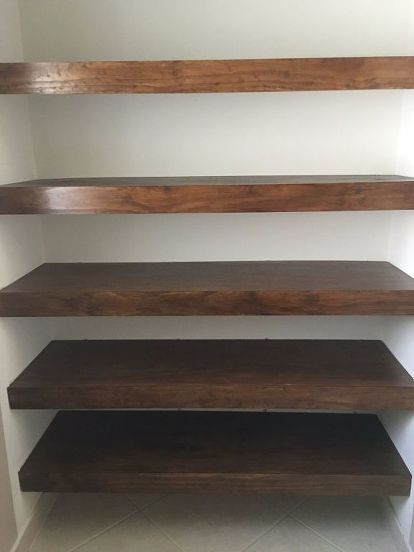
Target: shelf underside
point(210, 288)
point(116, 451)
point(253, 374)
point(242, 75)
point(214, 194)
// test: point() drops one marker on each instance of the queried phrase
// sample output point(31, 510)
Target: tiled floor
point(215, 523)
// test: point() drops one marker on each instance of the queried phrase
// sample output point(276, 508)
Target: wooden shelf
point(210, 288)
point(241, 75)
point(214, 194)
point(115, 451)
point(254, 374)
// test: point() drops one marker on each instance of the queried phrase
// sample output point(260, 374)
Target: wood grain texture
point(115, 451)
point(210, 288)
point(242, 75)
point(254, 374)
point(210, 194)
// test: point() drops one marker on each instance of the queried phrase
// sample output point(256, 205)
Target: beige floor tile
point(218, 523)
point(355, 524)
point(290, 536)
point(76, 518)
point(142, 500)
point(136, 534)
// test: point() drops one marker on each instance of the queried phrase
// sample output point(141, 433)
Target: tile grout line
point(136, 510)
point(161, 530)
point(297, 506)
point(289, 513)
point(318, 534)
point(151, 503)
point(269, 530)
point(100, 533)
point(43, 523)
point(394, 525)
point(284, 516)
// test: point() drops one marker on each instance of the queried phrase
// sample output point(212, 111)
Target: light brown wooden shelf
point(210, 288)
point(114, 451)
point(240, 75)
point(209, 194)
point(254, 374)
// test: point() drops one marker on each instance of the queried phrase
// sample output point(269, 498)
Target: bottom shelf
point(131, 451)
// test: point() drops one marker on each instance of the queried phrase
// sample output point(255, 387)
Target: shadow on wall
point(8, 530)
point(21, 250)
point(399, 337)
point(412, 537)
point(20, 341)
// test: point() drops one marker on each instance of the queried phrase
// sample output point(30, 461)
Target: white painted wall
point(329, 132)
point(399, 333)
point(215, 134)
point(21, 249)
point(399, 336)
point(186, 29)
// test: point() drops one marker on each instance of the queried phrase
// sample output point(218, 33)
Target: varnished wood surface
point(209, 194)
point(257, 374)
point(210, 288)
point(242, 75)
point(115, 451)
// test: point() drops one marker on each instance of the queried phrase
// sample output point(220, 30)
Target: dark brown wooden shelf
point(254, 374)
point(240, 75)
point(209, 194)
point(115, 451)
point(210, 288)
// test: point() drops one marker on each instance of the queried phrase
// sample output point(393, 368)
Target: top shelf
point(203, 76)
